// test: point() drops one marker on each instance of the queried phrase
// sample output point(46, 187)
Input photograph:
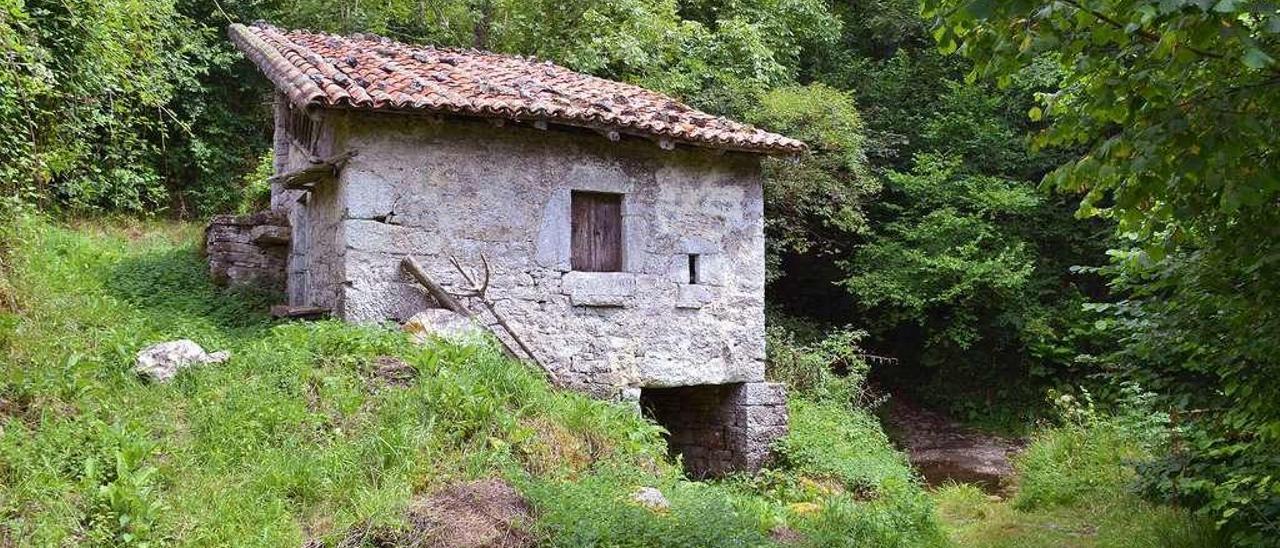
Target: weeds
point(1075, 485)
point(1091, 453)
point(822, 366)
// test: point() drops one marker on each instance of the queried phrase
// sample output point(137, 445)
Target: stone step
point(300, 312)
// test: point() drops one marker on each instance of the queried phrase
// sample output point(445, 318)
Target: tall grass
point(1076, 486)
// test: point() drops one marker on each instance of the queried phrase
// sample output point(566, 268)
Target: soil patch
point(482, 513)
point(479, 513)
point(394, 371)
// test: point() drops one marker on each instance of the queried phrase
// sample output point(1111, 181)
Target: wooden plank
point(596, 232)
point(319, 171)
point(436, 290)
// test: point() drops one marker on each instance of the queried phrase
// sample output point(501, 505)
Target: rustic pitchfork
point(481, 292)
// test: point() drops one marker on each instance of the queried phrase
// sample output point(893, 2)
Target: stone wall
point(315, 257)
point(718, 429)
point(465, 188)
point(248, 249)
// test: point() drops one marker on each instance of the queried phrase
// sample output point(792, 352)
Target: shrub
point(1092, 453)
point(823, 367)
point(879, 501)
point(256, 195)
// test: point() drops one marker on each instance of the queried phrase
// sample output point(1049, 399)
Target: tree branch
point(1147, 35)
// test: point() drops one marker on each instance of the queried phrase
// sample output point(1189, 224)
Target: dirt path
point(944, 450)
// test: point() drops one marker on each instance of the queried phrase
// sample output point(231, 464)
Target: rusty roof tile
point(369, 72)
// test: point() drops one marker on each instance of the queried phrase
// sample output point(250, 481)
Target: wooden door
point(597, 232)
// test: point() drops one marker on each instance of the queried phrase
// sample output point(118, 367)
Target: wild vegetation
point(1007, 198)
point(297, 438)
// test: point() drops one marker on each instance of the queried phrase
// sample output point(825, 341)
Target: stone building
point(623, 230)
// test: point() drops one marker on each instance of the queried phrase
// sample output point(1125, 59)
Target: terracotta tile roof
point(374, 73)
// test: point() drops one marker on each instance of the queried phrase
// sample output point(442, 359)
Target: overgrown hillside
point(298, 437)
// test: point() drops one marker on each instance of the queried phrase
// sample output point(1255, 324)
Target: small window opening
point(596, 231)
point(304, 130)
point(693, 268)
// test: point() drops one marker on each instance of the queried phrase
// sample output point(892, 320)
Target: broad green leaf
point(1255, 58)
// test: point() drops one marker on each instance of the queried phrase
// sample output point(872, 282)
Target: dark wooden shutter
point(597, 232)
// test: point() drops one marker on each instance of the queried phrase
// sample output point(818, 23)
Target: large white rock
point(161, 362)
point(444, 324)
point(651, 498)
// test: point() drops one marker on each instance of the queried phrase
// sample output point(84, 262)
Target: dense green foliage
point(814, 202)
point(296, 437)
point(113, 106)
point(1174, 106)
point(941, 247)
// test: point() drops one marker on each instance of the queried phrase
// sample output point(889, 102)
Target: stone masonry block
point(599, 288)
point(235, 258)
point(695, 296)
point(761, 393)
point(266, 235)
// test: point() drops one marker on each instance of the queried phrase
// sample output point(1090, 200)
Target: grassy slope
point(1074, 490)
point(293, 438)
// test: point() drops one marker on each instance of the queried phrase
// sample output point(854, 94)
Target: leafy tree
point(1000, 309)
point(1174, 104)
point(102, 105)
point(814, 202)
point(955, 284)
point(952, 244)
point(22, 77)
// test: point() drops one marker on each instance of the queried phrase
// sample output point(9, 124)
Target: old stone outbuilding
point(618, 232)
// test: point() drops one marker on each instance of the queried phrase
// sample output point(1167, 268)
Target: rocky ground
point(944, 450)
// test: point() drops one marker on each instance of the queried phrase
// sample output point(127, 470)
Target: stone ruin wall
point(248, 249)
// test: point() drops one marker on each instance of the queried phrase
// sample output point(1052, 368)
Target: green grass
point(293, 438)
point(1073, 490)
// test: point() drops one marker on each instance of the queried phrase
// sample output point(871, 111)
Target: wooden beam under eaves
point(318, 172)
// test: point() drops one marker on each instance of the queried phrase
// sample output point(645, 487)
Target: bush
point(827, 440)
point(1092, 454)
point(869, 494)
point(823, 367)
point(256, 194)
